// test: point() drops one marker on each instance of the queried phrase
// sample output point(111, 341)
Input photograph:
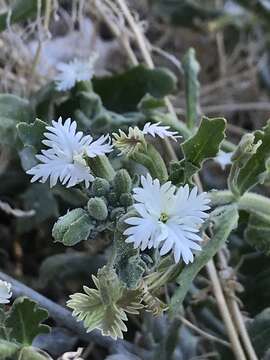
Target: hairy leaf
point(259, 331)
point(32, 134)
point(257, 233)
point(206, 142)
point(253, 171)
point(7, 349)
point(72, 265)
point(39, 198)
point(224, 223)
point(105, 308)
point(123, 92)
point(25, 319)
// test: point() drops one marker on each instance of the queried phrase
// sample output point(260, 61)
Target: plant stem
point(203, 333)
point(224, 311)
point(238, 318)
point(250, 202)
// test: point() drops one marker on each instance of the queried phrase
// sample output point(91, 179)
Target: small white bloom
point(168, 218)
point(223, 159)
point(5, 292)
point(76, 70)
point(159, 130)
point(65, 158)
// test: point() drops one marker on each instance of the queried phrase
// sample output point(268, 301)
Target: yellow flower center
point(164, 217)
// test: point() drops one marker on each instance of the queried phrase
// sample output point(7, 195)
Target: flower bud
point(97, 208)
point(100, 187)
point(126, 199)
point(73, 227)
point(122, 182)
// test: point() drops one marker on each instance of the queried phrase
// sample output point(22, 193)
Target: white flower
point(168, 219)
point(5, 292)
point(66, 157)
point(223, 159)
point(76, 70)
point(161, 131)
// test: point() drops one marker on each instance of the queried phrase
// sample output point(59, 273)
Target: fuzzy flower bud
point(100, 187)
point(122, 182)
point(97, 208)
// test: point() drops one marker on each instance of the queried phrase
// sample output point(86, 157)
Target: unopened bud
point(97, 208)
point(100, 187)
point(122, 182)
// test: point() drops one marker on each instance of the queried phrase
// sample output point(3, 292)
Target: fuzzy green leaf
point(224, 223)
point(12, 110)
point(253, 171)
point(32, 134)
point(191, 70)
point(127, 262)
point(74, 265)
point(24, 320)
point(259, 331)
point(123, 92)
point(105, 308)
point(73, 227)
point(206, 141)
point(14, 107)
point(7, 349)
point(258, 232)
point(40, 199)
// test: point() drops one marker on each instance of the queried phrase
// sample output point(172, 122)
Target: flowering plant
point(122, 185)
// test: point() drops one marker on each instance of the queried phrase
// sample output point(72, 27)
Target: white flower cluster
point(5, 292)
point(65, 158)
point(168, 218)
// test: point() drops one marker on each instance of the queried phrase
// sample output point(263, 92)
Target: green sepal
point(73, 227)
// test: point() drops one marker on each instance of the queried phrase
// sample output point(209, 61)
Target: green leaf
point(32, 134)
point(206, 142)
point(7, 349)
point(149, 104)
point(16, 108)
point(73, 227)
point(7, 131)
point(20, 11)
point(192, 86)
point(31, 353)
point(245, 149)
point(253, 171)
point(74, 265)
point(39, 198)
point(12, 110)
point(257, 232)
point(259, 332)
point(25, 319)
point(185, 12)
point(127, 262)
point(105, 308)
point(224, 223)
point(123, 92)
